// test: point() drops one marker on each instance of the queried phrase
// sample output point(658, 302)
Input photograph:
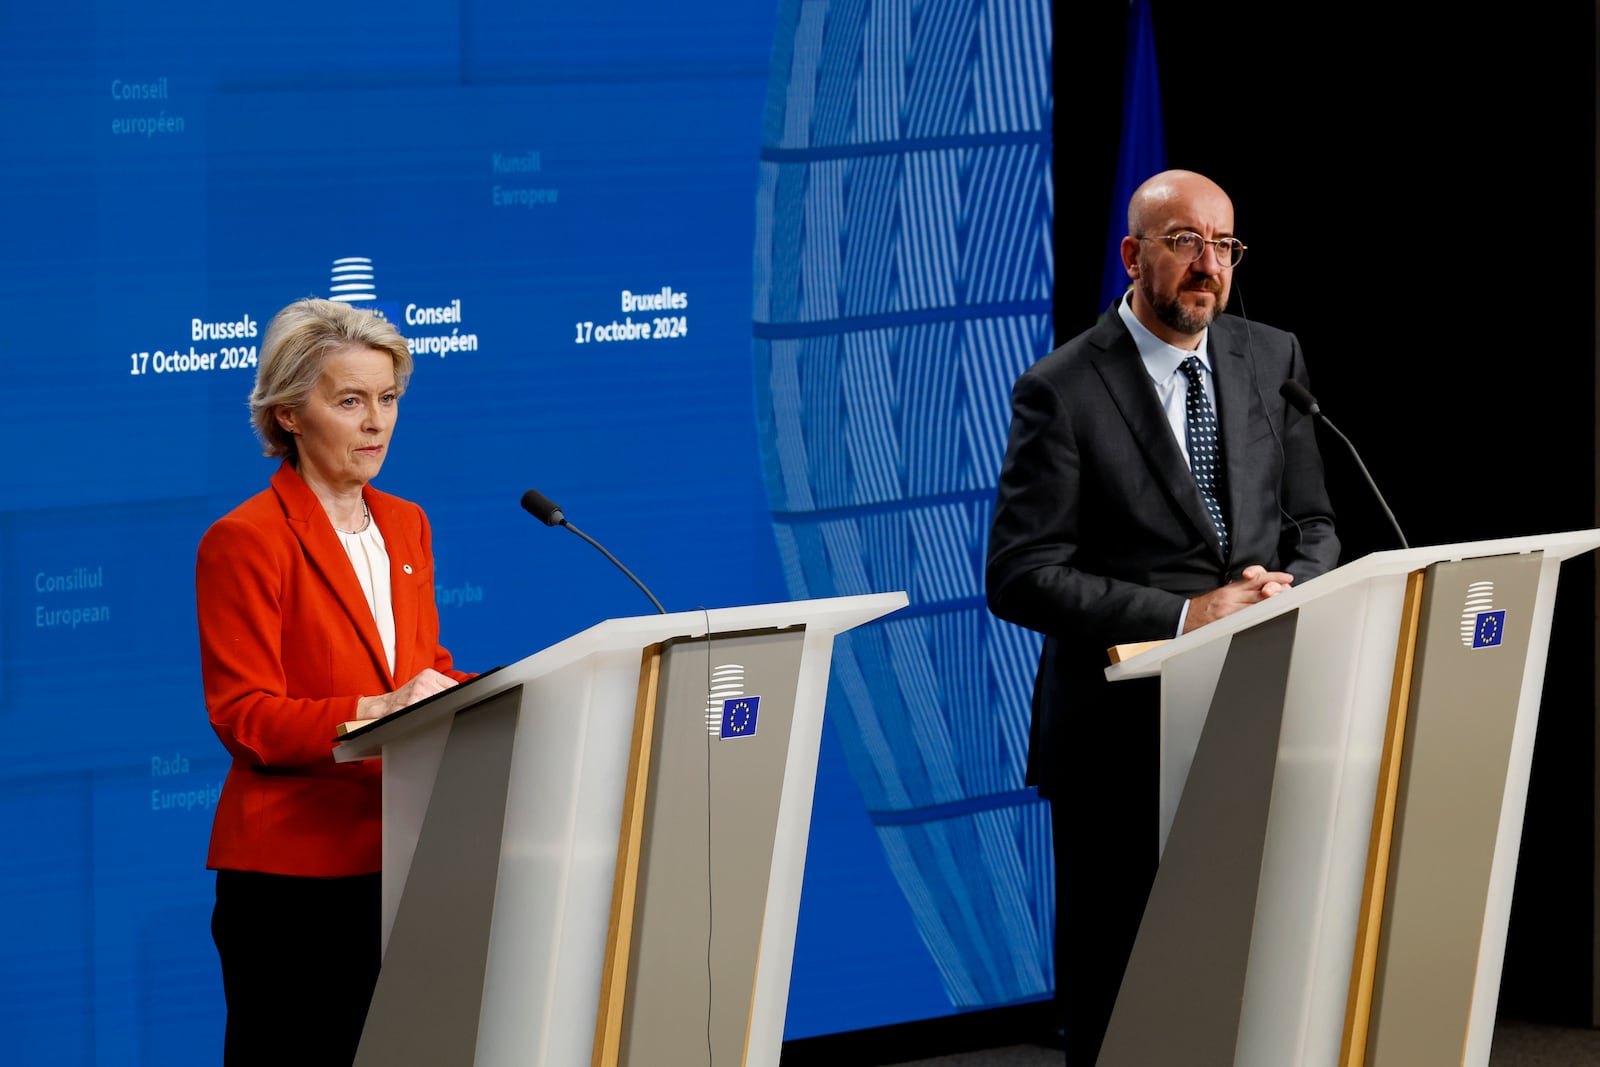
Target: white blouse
point(371, 562)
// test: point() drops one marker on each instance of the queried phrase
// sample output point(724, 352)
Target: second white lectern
point(1344, 770)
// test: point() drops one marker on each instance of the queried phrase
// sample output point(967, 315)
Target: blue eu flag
point(1143, 152)
point(1489, 629)
point(739, 717)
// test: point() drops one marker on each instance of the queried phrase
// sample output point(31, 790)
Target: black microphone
point(542, 508)
point(545, 510)
point(1306, 404)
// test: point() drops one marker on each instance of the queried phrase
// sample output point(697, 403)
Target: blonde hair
point(297, 344)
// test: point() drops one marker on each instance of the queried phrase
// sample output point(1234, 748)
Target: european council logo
point(1482, 624)
point(739, 717)
point(352, 281)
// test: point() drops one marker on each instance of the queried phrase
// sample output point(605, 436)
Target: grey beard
point(1175, 316)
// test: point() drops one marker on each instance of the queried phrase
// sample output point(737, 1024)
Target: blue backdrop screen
point(741, 286)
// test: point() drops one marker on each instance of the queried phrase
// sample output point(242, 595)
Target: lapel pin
point(406, 568)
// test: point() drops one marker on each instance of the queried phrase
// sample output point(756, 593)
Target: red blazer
point(287, 647)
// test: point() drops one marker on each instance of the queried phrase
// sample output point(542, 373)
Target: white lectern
point(594, 855)
point(1343, 775)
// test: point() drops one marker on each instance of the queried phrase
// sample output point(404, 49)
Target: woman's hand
point(427, 682)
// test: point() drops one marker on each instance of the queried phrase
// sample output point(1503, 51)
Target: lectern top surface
point(351, 732)
point(820, 619)
point(1555, 547)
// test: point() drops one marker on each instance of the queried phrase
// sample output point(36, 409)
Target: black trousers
point(1104, 817)
point(299, 962)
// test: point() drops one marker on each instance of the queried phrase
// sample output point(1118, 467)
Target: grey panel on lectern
point(710, 822)
point(428, 1000)
point(1472, 653)
point(1180, 997)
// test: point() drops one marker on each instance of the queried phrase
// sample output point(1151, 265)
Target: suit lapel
point(1135, 397)
point(310, 524)
point(1234, 384)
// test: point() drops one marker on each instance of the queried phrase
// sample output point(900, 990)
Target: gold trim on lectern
point(625, 889)
point(1364, 962)
point(1118, 653)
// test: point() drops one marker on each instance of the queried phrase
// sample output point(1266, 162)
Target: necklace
point(366, 520)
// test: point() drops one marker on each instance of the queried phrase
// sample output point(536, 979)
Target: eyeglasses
point(1189, 247)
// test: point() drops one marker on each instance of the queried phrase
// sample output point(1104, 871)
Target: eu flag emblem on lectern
point(739, 717)
point(1490, 628)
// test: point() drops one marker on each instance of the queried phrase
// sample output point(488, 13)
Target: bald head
point(1170, 193)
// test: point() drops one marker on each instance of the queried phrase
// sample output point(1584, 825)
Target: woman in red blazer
point(316, 607)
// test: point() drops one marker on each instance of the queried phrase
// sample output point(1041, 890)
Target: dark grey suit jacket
point(1099, 533)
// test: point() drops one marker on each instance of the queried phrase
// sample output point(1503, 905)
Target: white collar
point(1160, 358)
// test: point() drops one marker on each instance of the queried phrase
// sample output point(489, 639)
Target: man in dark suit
point(1141, 498)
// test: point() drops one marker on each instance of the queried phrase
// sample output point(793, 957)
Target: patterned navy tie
point(1204, 455)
